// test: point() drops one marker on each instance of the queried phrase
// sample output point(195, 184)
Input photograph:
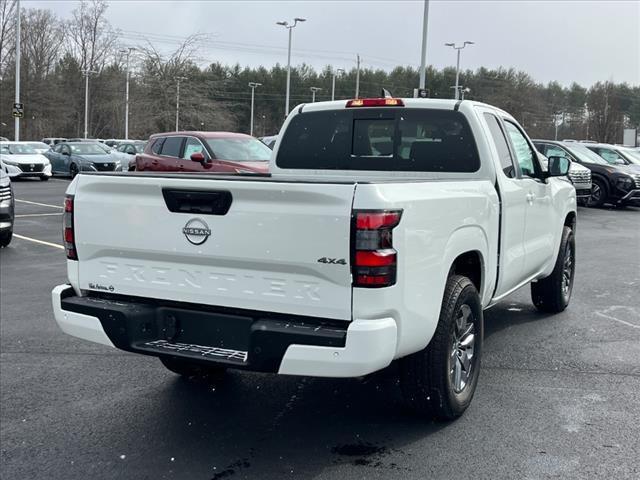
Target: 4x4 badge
point(196, 231)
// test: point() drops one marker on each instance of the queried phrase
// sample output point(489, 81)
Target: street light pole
point(253, 86)
point(86, 74)
point(178, 80)
point(126, 95)
point(333, 83)
point(16, 134)
point(423, 58)
point(290, 28)
point(313, 93)
point(458, 48)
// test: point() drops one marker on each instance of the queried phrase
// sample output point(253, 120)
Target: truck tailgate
point(262, 254)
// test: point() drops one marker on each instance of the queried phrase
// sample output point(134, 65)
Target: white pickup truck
point(383, 230)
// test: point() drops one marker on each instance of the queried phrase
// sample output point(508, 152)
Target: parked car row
point(600, 173)
point(613, 181)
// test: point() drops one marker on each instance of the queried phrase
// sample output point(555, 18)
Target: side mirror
point(558, 166)
point(619, 161)
point(66, 153)
point(198, 157)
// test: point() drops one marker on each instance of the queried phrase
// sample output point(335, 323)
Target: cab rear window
point(385, 139)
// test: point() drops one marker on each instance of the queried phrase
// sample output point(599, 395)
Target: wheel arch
point(466, 254)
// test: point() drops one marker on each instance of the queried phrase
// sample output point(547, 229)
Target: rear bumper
point(258, 341)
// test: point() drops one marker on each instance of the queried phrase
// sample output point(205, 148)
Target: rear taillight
point(68, 235)
point(374, 260)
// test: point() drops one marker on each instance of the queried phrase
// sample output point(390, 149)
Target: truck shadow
point(268, 426)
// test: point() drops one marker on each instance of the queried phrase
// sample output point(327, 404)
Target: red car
point(204, 152)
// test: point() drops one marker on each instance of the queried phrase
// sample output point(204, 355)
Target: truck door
point(540, 217)
point(513, 195)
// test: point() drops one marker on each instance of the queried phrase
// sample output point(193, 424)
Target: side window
point(171, 147)
point(553, 151)
point(57, 148)
point(609, 155)
point(157, 145)
point(501, 145)
point(524, 154)
point(192, 146)
point(130, 149)
point(65, 149)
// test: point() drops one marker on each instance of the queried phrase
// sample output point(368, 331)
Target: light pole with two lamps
point(458, 48)
point(289, 27)
point(333, 82)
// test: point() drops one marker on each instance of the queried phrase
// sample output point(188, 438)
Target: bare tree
point(42, 37)
point(7, 31)
point(91, 39)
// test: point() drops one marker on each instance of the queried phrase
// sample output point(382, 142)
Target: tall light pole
point(458, 48)
point(313, 93)
point(290, 28)
point(16, 134)
point(423, 57)
point(86, 74)
point(253, 86)
point(126, 95)
point(333, 82)
point(178, 80)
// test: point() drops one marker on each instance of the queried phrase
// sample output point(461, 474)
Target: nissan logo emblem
point(196, 231)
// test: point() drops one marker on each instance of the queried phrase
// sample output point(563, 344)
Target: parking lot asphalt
point(558, 397)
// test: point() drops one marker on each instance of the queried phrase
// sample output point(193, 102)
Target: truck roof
point(432, 103)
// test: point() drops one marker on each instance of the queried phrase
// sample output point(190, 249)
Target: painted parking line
point(38, 215)
point(41, 204)
point(35, 240)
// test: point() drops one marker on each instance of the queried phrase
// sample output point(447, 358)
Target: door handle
point(530, 198)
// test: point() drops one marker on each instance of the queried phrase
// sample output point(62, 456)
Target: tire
point(599, 193)
point(44, 179)
point(428, 379)
point(553, 293)
point(5, 238)
point(73, 170)
point(190, 369)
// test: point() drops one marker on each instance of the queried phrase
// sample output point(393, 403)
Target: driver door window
point(524, 154)
point(192, 146)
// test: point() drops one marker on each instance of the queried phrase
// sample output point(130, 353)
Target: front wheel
point(552, 294)
point(599, 193)
point(440, 380)
point(5, 238)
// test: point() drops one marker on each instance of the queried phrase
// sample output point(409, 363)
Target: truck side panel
point(428, 240)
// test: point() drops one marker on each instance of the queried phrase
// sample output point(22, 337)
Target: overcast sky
point(582, 41)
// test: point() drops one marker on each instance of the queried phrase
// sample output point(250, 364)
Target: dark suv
point(617, 184)
point(204, 152)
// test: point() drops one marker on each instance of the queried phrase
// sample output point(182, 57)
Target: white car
point(385, 228)
point(22, 160)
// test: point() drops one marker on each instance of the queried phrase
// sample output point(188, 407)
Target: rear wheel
point(73, 170)
point(440, 380)
point(5, 238)
point(552, 294)
point(190, 369)
point(599, 193)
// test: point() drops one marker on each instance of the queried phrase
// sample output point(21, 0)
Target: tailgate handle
point(210, 202)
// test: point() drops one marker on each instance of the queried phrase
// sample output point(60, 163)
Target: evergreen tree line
point(56, 52)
